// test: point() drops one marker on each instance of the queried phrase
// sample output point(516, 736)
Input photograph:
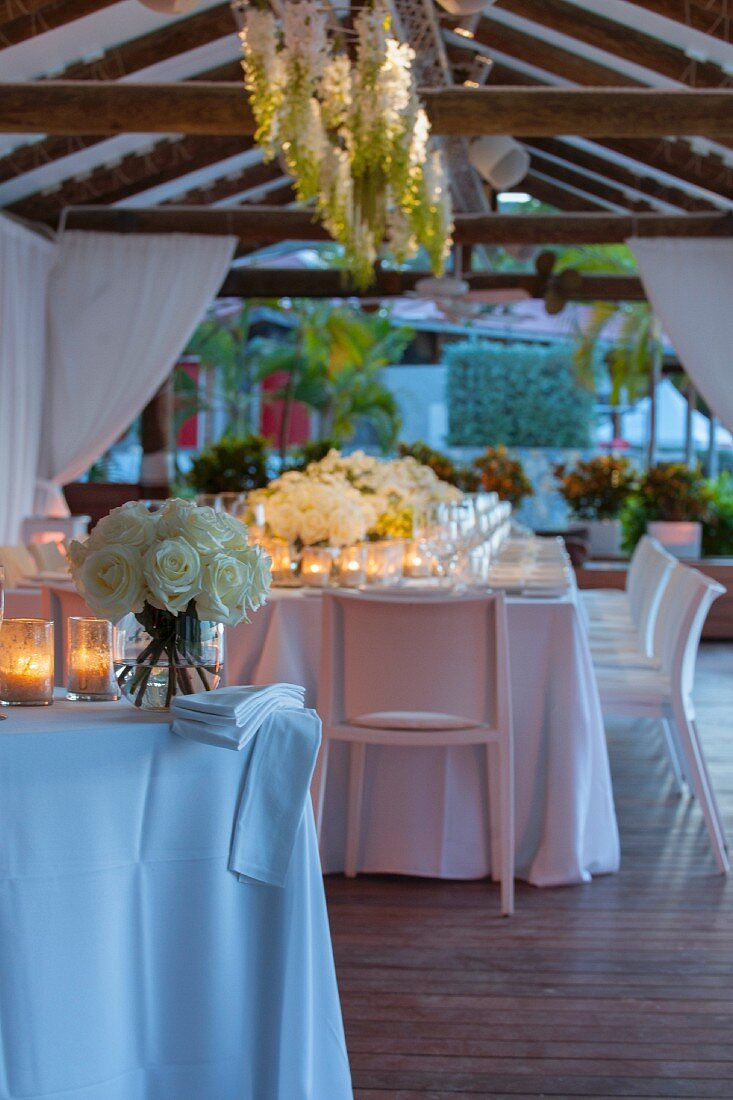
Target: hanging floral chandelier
point(350, 130)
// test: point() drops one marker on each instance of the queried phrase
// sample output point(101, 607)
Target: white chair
point(665, 693)
point(618, 640)
point(605, 603)
point(431, 672)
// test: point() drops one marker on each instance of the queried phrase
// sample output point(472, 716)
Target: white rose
point(173, 572)
point(232, 586)
point(231, 532)
point(131, 525)
point(111, 581)
point(199, 526)
point(77, 553)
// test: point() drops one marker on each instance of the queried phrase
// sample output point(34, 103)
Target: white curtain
point(25, 261)
point(689, 282)
point(121, 310)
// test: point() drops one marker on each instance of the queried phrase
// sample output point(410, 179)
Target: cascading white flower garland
point(351, 132)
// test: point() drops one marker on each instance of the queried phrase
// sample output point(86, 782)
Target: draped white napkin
point(286, 738)
point(230, 717)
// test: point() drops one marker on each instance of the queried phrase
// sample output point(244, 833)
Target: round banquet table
point(425, 809)
point(134, 965)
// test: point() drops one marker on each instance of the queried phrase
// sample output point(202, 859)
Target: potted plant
point(671, 502)
point(596, 490)
point(231, 465)
point(502, 474)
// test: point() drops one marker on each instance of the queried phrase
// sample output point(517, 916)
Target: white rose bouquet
point(173, 570)
point(310, 511)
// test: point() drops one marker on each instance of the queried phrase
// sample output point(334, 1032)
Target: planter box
point(684, 540)
point(604, 537)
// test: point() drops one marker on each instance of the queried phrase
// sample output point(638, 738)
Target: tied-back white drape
point(689, 283)
point(25, 260)
point(121, 310)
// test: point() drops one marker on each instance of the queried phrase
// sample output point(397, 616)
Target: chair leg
point(357, 756)
point(507, 829)
point(673, 753)
point(318, 785)
point(493, 787)
point(711, 789)
point(699, 779)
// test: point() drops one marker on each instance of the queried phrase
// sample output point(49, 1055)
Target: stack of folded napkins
point(284, 740)
point(230, 717)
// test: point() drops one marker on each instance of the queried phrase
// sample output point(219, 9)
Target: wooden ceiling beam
point(640, 181)
point(263, 282)
point(86, 107)
point(263, 225)
point(567, 174)
point(221, 189)
point(709, 16)
point(619, 39)
point(165, 161)
point(46, 17)
point(553, 192)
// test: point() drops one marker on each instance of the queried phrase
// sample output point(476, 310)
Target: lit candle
point(26, 663)
point(315, 566)
point(282, 561)
point(89, 646)
point(351, 566)
point(418, 562)
point(385, 562)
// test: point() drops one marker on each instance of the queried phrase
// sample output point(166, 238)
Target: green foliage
point(332, 359)
point(672, 492)
point(520, 395)
point(231, 465)
point(717, 532)
point(222, 347)
point(596, 488)
point(313, 451)
point(463, 477)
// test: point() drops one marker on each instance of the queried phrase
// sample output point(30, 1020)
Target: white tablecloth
point(426, 810)
point(23, 603)
point(133, 964)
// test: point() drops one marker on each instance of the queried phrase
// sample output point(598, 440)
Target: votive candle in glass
point(385, 562)
point(418, 561)
point(91, 675)
point(315, 566)
point(282, 561)
point(26, 663)
point(351, 566)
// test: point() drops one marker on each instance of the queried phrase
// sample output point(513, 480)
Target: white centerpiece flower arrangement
point(178, 572)
point(310, 512)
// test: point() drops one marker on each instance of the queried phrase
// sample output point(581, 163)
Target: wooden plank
point(268, 225)
point(708, 16)
point(46, 17)
point(94, 107)
point(263, 282)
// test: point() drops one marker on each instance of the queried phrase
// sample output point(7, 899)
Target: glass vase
point(166, 655)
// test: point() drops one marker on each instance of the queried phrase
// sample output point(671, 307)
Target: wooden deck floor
point(623, 987)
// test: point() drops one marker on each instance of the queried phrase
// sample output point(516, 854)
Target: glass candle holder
point(351, 566)
point(282, 562)
point(418, 560)
point(384, 562)
point(91, 676)
point(26, 663)
point(315, 566)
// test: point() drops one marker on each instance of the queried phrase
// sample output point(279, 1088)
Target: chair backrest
point(640, 560)
point(444, 655)
point(49, 557)
point(685, 603)
point(657, 571)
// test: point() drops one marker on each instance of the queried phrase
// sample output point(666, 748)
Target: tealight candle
point(351, 566)
point(384, 563)
point(89, 646)
point(315, 566)
point(282, 561)
point(26, 663)
point(418, 562)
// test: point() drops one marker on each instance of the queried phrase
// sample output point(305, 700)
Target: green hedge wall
point(523, 395)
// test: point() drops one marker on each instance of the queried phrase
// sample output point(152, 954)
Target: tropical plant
point(221, 344)
point(231, 465)
point(502, 474)
point(632, 355)
point(669, 491)
point(717, 531)
point(332, 360)
point(518, 394)
point(463, 477)
point(596, 488)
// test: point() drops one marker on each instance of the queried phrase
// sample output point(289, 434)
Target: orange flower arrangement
point(503, 475)
point(597, 488)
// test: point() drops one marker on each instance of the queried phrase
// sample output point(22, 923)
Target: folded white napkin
point(285, 740)
point(230, 717)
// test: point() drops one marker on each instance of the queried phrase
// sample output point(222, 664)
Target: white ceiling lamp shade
point(170, 7)
point(500, 160)
point(465, 7)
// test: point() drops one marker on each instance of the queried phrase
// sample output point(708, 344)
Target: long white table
point(426, 810)
point(134, 965)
